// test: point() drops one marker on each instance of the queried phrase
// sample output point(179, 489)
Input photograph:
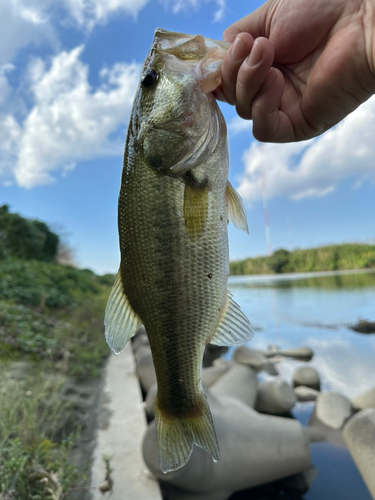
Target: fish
point(174, 205)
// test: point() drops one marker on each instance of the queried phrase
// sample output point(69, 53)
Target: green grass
point(51, 315)
point(328, 258)
point(33, 464)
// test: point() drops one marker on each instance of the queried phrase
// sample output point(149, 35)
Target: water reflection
point(315, 311)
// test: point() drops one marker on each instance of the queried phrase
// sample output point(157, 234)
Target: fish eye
point(149, 79)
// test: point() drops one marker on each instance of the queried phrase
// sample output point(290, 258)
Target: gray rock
point(359, 435)
point(240, 382)
point(144, 367)
point(300, 353)
point(299, 483)
point(364, 400)
point(270, 368)
point(141, 331)
point(141, 351)
point(308, 376)
point(317, 432)
point(211, 374)
point(150, 401)
point(256, 359)
point(140, 340)
point(305, 394)
point(250, 357)
point(332, 409)
point(212, 352)
point(275, 397)
point(254, 449)
point(364, 326)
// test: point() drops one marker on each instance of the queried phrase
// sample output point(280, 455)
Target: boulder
point(308, 376)
point(332, 409)
point(254, 449)
point(150, 401)
point(212, 352)
point(141, 351)
point(240, 382)
point(141, 331)
point(300, 483)
point(364, 326)
point(211, 374)
point(144, 367)
point(256, 359)
point(305, 394)
point(140, 340)
point(359, 435)
point(317, 432)
point(275, 397)
point(364, 400)
point(300, 353)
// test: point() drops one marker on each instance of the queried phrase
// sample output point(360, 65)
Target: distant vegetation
point(51, 315)
point(327, 258)
point(26, 239)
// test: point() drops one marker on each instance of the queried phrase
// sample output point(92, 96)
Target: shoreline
point(295, 276)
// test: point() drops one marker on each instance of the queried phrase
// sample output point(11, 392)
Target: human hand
point(298, 67)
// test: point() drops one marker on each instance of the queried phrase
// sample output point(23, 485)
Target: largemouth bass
point(174, 205)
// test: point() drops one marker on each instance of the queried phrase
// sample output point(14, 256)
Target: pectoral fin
point(235, 209)
point(120, 321)
point(195, 208)
point(234, 327)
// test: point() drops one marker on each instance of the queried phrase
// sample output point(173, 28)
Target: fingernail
point(238, 50)
point(255, 55)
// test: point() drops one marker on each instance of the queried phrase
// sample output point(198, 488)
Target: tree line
point(325, 258)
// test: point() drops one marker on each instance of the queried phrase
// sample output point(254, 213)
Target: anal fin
point(234, 327)
point(121, 322)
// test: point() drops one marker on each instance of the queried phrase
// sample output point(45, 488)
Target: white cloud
point(69, 121)
point(21, 24)
point(315, 167)
point(238, 125)
point(10, 134)
point(185, 5)
point(87, 13)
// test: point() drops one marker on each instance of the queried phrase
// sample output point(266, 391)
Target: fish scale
point(174, 204)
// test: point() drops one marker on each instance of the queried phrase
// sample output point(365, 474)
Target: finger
point(252, 75)
point(253, 23)
point(235, 56)
point(269, 123)
point(218, 94)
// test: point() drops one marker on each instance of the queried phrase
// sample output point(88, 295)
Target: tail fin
point(177, 433)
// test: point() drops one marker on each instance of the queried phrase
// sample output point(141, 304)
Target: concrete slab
point(122, 424)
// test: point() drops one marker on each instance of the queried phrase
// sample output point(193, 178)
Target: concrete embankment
point(122, 424)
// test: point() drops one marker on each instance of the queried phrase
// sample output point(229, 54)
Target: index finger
point(254, 23)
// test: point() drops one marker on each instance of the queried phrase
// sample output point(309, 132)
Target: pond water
point(315, 310)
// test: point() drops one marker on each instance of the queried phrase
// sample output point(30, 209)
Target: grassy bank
point(327, 258)
point(51, 319)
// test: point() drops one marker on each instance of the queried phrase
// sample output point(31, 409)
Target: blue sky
point(68, 73)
